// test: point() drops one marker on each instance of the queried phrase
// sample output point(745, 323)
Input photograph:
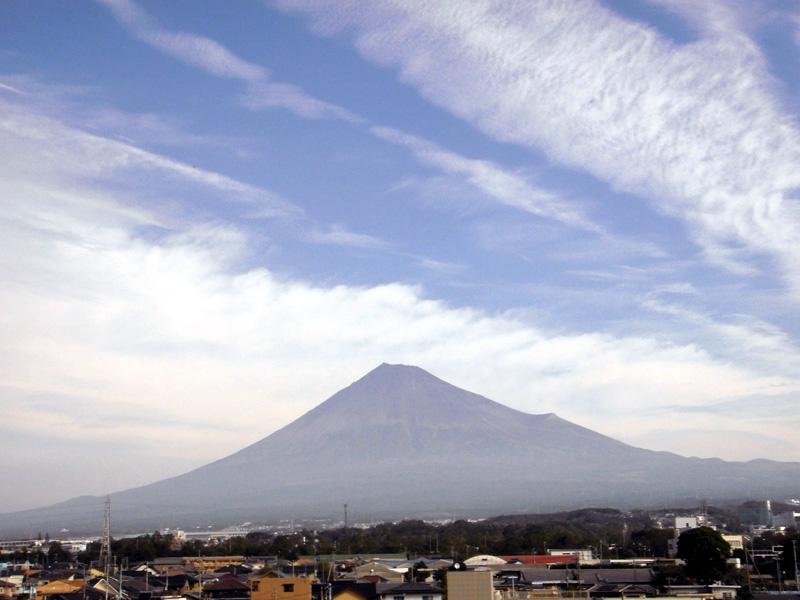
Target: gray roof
point(593, 576)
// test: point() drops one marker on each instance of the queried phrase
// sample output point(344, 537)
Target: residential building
point(375, 568)
point(408, 591)
point(684, 523)
point(736, 542)
point(469, 585)
point(227, 587)
point(276, 586)
point(58, 587)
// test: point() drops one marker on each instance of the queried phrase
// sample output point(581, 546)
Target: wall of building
point(469, 585)
point(280, 588)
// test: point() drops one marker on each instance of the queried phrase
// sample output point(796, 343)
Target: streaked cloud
point(74, 154)
point(340, 236)
point(501, 185)
point(262, 91)
point(573, 182)
point(695, 129)
point(165, 327)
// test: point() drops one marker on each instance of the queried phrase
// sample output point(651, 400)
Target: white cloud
point(165, 339)
point(505, 187)
point(146, 128)
point(195, 50)
point(796, 22)
point(12, 89)
point(742, 336)
point(270, 94)
point(696, 128)
point(262, 92)
point(214, 58)
point(340, 236)
point(73, 155)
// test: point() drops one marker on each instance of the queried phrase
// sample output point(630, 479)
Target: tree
point(57, 553)
point(650, 542)
point(705, 552)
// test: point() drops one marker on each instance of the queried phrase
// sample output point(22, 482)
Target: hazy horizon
point(216, 218)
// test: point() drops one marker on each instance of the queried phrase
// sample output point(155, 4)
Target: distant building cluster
point(568, 574)
point(556, 574)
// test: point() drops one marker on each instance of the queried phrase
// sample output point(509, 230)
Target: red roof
point(540, 559)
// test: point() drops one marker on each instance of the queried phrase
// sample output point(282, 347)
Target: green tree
point(57, 553)
point(705, 552)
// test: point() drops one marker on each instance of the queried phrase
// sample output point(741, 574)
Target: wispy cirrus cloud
point(94, 308)
point(340, 236)
point(100, 149)
point(696, 128)
point(740, 336)
point(73, 155)
point(796, 22)
point(12, 89)
point(491, 179)
point(262, 91)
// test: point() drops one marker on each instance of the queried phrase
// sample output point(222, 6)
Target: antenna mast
point(105, 544)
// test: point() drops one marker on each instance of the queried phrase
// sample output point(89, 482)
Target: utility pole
point(345, 516)
point(794, 556)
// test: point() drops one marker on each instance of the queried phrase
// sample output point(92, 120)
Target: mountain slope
point(400, 441)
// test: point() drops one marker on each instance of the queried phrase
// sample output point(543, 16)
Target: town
point(705, 553)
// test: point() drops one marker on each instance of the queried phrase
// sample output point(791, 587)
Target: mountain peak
point(401, 441)
point(397, 369)
point(397, 374)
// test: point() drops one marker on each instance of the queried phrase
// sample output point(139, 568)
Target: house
point(590, 577)
point(533, 578)
point(704, 592)
point(277, 586)
point(12, 584)
point(7, 589)
point(344, 590)
point(169, 565)
point(408, 591)
point(684, 523)
point(233, 569)
point(209, 563)
point(86, 593)
point(58, 586)
point(227, 587)
point(377, 568)
point(736, 542)
point(621, 590)
point(469, 585)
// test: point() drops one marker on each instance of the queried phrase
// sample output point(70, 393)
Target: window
point(288, 588)
point(254, 586)
point(398, 597)
point(427, 597)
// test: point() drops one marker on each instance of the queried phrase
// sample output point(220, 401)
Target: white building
point(682, 523)
point(484, 560)
point(736, 542)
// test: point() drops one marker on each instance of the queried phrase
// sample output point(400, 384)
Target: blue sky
point(215, 217)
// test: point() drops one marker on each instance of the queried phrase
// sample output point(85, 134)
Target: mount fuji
point(401, 442)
